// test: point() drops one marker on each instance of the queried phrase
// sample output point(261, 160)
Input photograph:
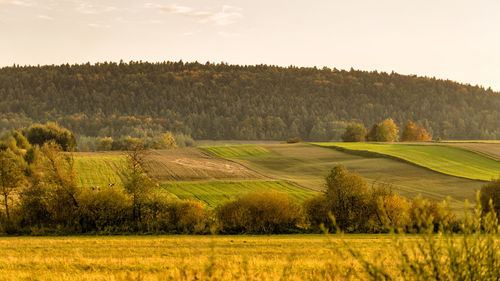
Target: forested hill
point(220, 101)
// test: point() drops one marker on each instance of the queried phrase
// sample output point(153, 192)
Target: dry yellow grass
point(288, 257)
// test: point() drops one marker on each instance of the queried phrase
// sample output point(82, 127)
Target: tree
point(40, 134)
point(490, 191)
point(354, 132)
point(165, 141)
point(348, 197)
point(105, 144)
point(372, 134)
point(137, 181)
point(60, 182)
point(422, 134)
point(11, 176)
point(409, 132)
point(387, 131)
point(415, 132)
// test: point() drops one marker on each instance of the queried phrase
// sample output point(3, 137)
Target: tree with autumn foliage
point(415, 132)
point(385, 131)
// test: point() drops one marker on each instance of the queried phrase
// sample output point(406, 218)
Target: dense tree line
point(220, 101)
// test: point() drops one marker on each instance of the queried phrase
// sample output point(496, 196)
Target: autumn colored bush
point(262, 212)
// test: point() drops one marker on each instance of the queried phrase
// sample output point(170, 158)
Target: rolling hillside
point(99, 169)
point(487, 148)
point(220, 101)
point(443, 159)
point(308, 164)
point(214, 192)
point(213, 174)
point(189, 173)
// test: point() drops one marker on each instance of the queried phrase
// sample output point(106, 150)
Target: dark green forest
point(221, 101)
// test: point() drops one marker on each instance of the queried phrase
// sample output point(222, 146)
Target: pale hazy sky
point(458, 40)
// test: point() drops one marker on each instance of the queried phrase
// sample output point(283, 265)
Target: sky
point(457, 40)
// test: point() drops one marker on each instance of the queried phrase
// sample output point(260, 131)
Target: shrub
point(317, 211)
point(293, 140)
point(391, 212)
point(105, 144)
point(354, 132)
point(107, 209)
point(491, 191)
point(231, 217)
point(262, 212)
point(127, 143)
point(154, 213)
point(427, 214)
point(40, 134)
point(183, 140)
point(188, 217)
point(34, 206)
point(164, 141)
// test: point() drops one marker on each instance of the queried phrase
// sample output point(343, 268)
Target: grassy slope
point(188, 174)
point(238, 151)
point(191, 164)
point(99, 169)
point(174, 165)
point(307, 165)
point(178, 257)
point(491, 150)
point(213, 193)
point(444, 159)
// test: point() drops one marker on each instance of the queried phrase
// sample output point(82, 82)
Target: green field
point(188, 164)
point(148, 258)
point(195, 174)
point(99, 168)
point(187, 173)
point(308, 164)
point(443, 159)
point(214, 192)
point(246, 151)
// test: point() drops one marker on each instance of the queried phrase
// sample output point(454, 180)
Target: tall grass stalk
point(472, 253)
